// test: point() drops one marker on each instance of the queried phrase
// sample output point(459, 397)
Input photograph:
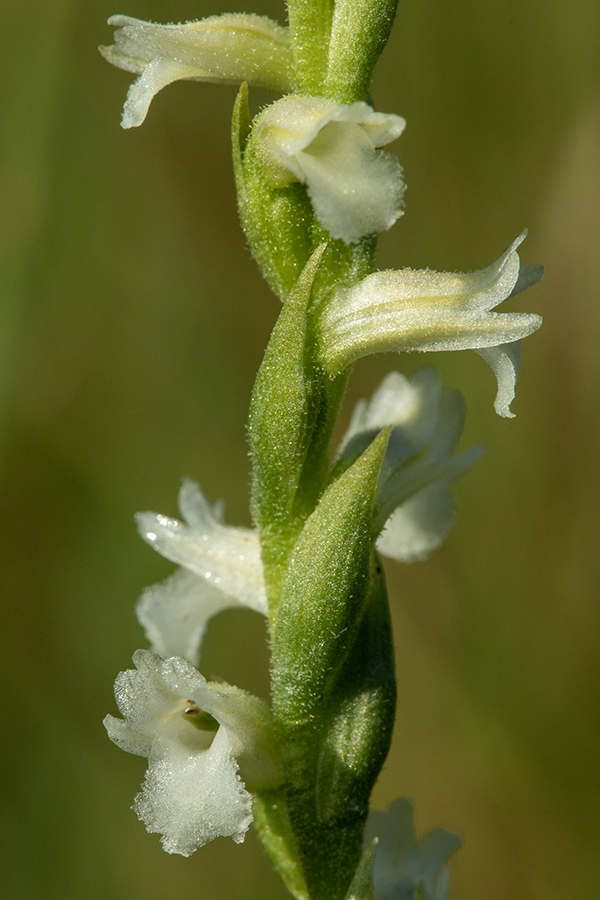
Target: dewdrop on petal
point(220, 568)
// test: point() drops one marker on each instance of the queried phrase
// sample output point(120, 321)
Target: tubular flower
point(422, 310)
point(221, 568)
point(355, 187)
point(226, 49)
point(196, 736)
point(405, 867)
point(414, 504)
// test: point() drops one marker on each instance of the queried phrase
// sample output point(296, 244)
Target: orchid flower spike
point(404, 866)
point(196, 737)
point(423, 310)
point(355, 187)
point(221, 568)
point(225, 49)
point(414, 504)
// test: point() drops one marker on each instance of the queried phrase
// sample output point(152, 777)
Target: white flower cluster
point(356, 190)
point(208, 745)
point(221, 566)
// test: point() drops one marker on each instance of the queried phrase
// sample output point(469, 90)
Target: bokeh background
point(133, 322)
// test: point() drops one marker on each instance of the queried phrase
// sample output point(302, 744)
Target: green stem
point(310, 32)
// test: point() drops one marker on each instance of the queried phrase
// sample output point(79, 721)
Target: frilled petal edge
point(192, 799)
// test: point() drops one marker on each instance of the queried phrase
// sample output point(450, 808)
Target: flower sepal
point(220, 568)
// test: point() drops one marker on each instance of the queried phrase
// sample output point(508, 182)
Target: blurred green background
point(133, 322)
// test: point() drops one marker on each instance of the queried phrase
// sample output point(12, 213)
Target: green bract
point(332, 682)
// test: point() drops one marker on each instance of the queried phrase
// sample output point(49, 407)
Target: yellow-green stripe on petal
point(417, 309)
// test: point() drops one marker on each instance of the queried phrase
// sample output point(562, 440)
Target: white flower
point(414, 504)
point(404, 865)
point(229, 49)
point(222, 568)
point(423, 310)
point(196, 736)
point(355, 188)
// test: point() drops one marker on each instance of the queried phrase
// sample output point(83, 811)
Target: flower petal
point(249, 722)
point(410, 405)
point(414, 507)
point(227, 558)
point(422, 310)
point(156, 75)
point(174, 613)
point(504, 361)
point(419, 526)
